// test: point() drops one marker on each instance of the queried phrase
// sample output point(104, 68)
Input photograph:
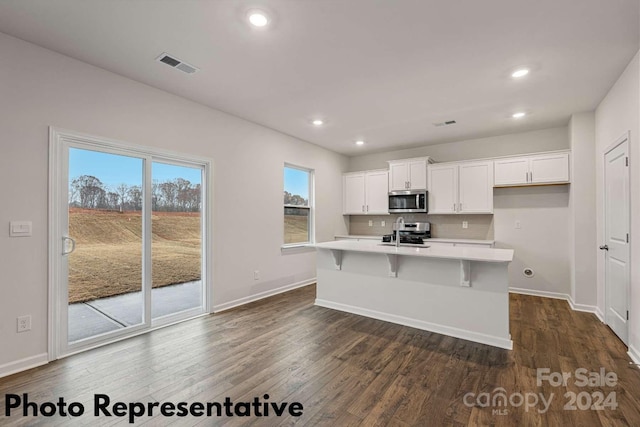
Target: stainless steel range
point(410, 232)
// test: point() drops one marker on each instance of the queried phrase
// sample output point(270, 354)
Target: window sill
point(297, 248)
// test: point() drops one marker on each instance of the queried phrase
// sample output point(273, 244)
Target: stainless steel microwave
point(408, 201)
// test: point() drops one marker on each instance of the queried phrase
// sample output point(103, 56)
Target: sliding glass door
point(105, 230)
point(128, 241)
point(176, 246)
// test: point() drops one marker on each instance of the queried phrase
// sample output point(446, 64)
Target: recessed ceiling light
point(317, 122)
point(359, 142)
point(258, 18)
point(518, 115)
point(520, 73)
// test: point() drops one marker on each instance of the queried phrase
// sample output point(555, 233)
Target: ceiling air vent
point(176, 63)
point(447, 123)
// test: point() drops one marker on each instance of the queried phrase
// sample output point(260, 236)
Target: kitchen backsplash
point(443, 226)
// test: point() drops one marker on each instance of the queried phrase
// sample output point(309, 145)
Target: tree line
point(295, 199)
point(178, 195)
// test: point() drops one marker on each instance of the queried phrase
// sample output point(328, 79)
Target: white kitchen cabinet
point(552, 168)
point(354, 195)
point(408, 174)
point(377, 192)
point(366, 193)
point(443, 188)
point(461, 188)
point(549, 168)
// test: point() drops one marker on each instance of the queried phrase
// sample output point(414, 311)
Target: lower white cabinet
point(366, 193)
point(461, 188)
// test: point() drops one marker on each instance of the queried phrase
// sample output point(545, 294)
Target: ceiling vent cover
point(447, 123)
point(173, 62)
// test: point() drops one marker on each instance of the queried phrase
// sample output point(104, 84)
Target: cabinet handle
point(460, 207)
point(454, 207)
point(362, 208)
point(531, 176)
point(367, 208)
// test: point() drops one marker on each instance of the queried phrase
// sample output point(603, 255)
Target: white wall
point(583, 250)
point(42, 88)
point(542, 242)
point(504, 145)
point(618, 113)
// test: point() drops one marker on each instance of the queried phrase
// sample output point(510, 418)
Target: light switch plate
point(465, 224)
point(370, 223)
point(20, 229)
point(518, 225)
point(383, 223)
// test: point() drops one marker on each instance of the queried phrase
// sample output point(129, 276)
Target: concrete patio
point(103, 315)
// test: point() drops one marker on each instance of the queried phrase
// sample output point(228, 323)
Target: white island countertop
point(447, 252)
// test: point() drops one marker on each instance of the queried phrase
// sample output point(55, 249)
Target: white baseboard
point(634, 354)
point(557, 295)
point(581, 307)
point(420, 324)
point(246, 300)
point(23, 364)
point(600, 315)
point(535, 293)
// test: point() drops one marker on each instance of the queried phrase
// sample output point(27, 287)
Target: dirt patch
point(296, 229)
point(108, 256)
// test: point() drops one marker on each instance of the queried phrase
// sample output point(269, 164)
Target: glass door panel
point(176, 247)
point(105, 258)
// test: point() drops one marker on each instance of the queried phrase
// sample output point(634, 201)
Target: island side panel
point(426, 294)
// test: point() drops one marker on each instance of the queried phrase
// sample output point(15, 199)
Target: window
point(298, 203)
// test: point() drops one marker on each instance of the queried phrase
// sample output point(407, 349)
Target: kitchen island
point(458, 291)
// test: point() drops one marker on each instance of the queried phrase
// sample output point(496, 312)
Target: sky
point(114, 169)
point(296, 181)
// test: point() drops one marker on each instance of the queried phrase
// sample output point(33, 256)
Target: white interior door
point(616, 233)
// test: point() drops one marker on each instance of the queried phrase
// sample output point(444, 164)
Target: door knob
point(604, 248)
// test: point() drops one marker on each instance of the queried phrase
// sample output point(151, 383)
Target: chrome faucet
point(399, 221)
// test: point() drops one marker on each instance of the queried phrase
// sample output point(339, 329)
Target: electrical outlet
point(370, 223)
point(383, 223)
point(465, 224)
point(518, 224)
point(256, 275)
point(24, 323)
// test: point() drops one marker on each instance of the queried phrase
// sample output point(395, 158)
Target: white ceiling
point(382, 70)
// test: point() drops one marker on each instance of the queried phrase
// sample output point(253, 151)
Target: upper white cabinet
point(461, 188)
point(408, 174)
point(366, 193)
point(443, 188)
point(552, 168)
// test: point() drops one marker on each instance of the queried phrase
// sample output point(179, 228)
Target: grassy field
point(295, 229)
point(108, 256)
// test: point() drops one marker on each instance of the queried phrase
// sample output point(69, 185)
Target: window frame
point(310, 206)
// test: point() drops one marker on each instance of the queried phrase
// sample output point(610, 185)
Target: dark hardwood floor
point(346, 370)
